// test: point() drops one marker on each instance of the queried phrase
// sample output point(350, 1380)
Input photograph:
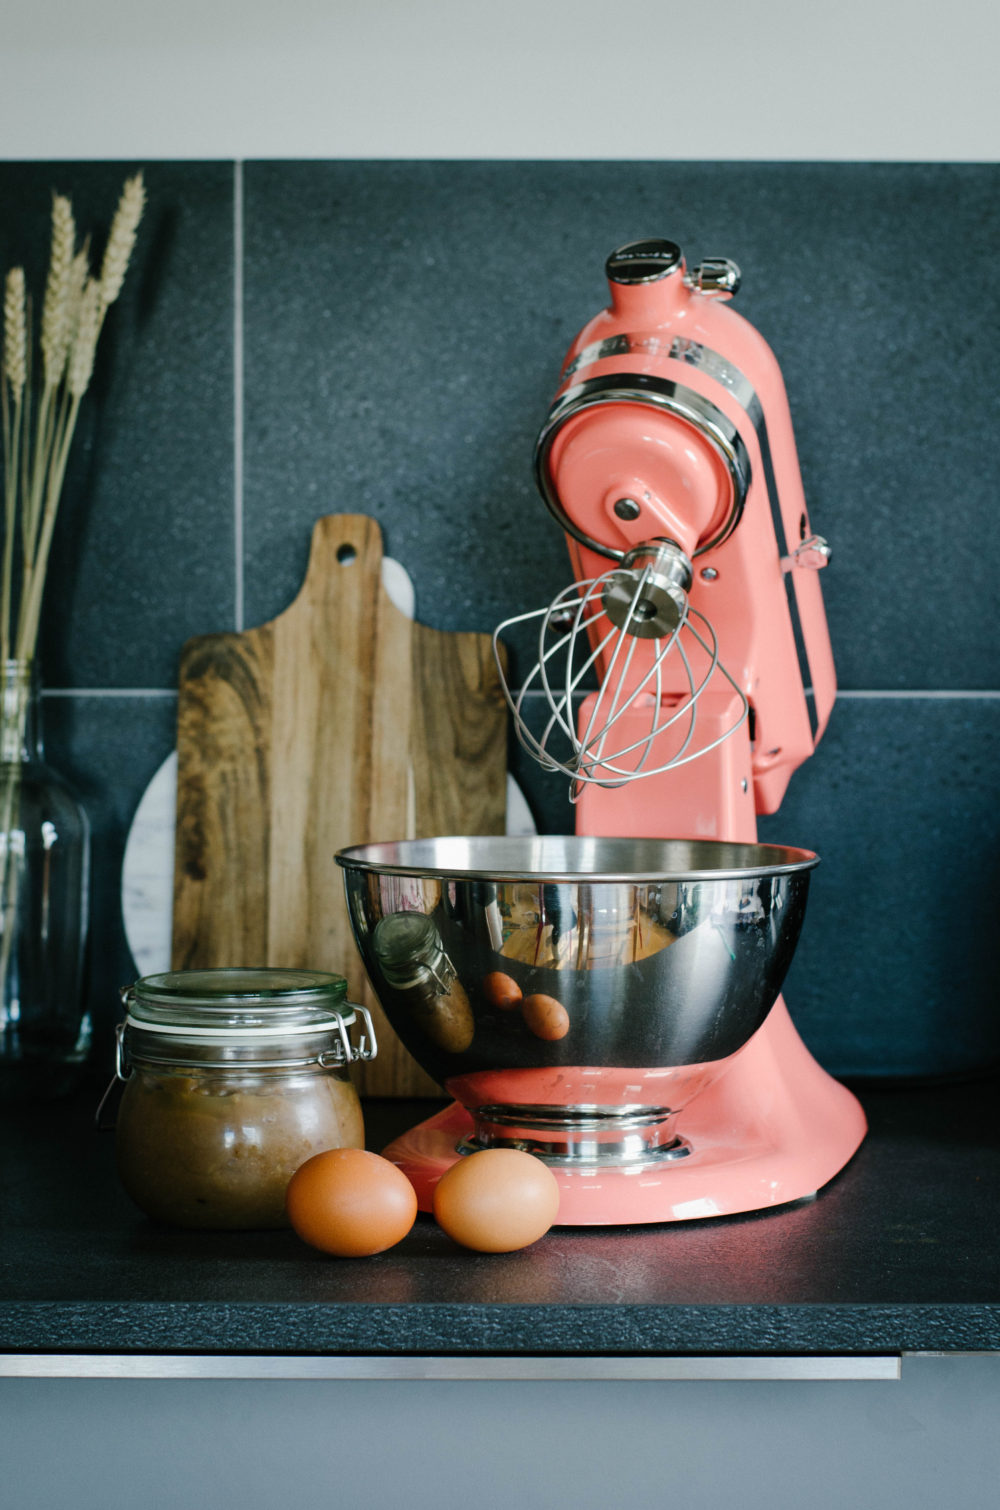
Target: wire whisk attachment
point(606, 623)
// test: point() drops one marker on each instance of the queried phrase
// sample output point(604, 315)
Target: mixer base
point(774, 1128)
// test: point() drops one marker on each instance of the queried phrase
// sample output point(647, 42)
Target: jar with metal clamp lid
point(232, 1079)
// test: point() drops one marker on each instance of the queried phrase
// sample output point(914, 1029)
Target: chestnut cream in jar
point(233, 1078)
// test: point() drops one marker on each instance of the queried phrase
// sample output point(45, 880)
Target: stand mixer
point(682, 677)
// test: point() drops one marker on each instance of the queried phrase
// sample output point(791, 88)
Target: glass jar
point(45, 1030)
point(233, 1078)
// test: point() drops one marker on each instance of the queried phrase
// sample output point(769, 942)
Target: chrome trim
point(660, 393)
point(417, 1366)
point(586, 1117)
point(630, 1153)
point(716, 278)
point(814, 553)
point(571, 1137)
point(659, 256)
point(675, 349)
point(648, 598)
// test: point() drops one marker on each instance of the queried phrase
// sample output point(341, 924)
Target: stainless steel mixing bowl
point(649, 952)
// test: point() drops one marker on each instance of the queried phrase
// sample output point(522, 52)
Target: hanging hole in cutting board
point(346, 553)
point(148, 866)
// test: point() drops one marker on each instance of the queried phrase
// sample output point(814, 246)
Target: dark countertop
point(898, 1253)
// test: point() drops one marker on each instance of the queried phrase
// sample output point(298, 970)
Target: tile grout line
point(942, 693)
point(889, 694)
point(957, 695)
point(238, 391)
point(67, 692)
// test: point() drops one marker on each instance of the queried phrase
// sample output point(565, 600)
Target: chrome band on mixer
point(661, 393)
point(677, 349)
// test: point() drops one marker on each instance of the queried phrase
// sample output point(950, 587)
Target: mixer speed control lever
point(814, 552)
point(718, 277)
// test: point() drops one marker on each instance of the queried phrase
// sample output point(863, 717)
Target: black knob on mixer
point(643, 261)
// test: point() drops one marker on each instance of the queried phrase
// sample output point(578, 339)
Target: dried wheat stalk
point(38, 431)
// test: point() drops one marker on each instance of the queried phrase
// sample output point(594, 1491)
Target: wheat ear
point(15, 332)
point(78, 374)
point(121, 238)
point(55, 336)
point(88, 325)
point(54, 340)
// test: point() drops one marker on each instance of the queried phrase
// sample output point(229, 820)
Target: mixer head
point(668, 459)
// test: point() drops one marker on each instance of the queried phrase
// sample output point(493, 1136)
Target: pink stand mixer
point(681, 678)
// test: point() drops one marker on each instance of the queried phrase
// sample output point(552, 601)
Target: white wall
point(766, 79)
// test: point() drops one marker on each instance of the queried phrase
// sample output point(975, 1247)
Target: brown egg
point(545, 1016)
point(497, 1200)
point(502, 991)
point(350, 1202)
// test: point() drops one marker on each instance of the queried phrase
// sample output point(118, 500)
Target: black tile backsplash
point(895, 968)
point(402, 327)
point(405, 326)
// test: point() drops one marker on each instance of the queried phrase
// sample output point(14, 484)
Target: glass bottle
point(45, 1030)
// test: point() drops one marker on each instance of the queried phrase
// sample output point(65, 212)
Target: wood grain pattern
point(340, 722)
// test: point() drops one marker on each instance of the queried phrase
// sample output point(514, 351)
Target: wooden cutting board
point(339, 722)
